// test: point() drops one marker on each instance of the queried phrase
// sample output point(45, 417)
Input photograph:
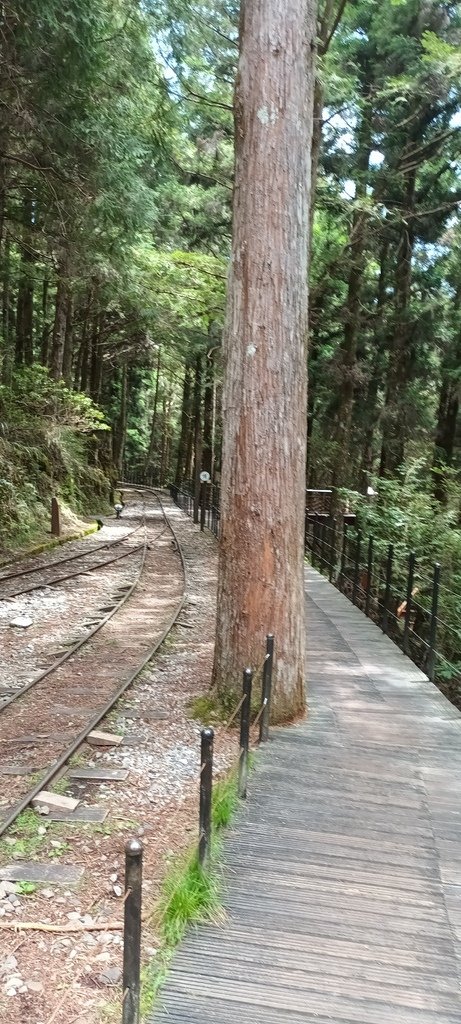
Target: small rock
point(114, 877)
point(41, 831)
point(47, 894)
point(42, 809)
point(35, 986)
point(117, 890)
point(110, 976)
point(73, 916)
point(21, 622)
point(8, 965)
point(9, 887)
point(10, 991)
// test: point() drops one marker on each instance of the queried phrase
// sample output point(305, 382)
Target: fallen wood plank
point(104, 739)
point(55, 800)
point(98, 774)
point(57, 874)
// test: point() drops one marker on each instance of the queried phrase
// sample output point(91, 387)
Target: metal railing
point(397, 593)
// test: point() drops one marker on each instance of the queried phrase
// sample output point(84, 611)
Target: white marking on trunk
point(266, 116)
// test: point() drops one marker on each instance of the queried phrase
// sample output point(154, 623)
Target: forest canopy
point(116, 175)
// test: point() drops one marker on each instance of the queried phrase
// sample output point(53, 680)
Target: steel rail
point(57, 768)
point(69, 558)
point(70, 575)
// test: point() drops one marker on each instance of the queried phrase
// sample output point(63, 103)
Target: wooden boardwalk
point(344, 869)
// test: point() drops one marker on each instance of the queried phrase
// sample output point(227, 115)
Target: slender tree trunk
point(164, 457)
point(198, 438)
point(371, 410)
point(68, 341)
point(97, 335)
point(45, 343)
point(153, 427)
point(60, 319)
point(447, 413)
point(7, 347)
point(261, 561)
point(185, 428)
point(25, 306)
point(81, 369)
point(208, 392)
point(119, 434)
point(347, 374)
point(396, 423)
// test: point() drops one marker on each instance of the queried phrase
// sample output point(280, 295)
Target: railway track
point(47, 571)
point(47, 720)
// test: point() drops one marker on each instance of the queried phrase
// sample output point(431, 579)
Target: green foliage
point(45, 443)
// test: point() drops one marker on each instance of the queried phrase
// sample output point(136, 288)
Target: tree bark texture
point(261, 584)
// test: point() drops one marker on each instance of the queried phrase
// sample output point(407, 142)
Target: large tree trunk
point(261, 563)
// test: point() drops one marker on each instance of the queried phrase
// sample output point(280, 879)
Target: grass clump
point(225, 802)
point(190, 896)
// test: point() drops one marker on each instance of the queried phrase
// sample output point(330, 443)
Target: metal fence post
point(358, 544)
point(202, 505)
point(433, 624)
point(332, 549)
point(343, 554)
point(387, 592)
point(267, 689)
point(410, 581)
point(322, 544)
point(245, 733)
point(132, 932)
point(369, 575)
point(314, 539)
point(206, 784)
